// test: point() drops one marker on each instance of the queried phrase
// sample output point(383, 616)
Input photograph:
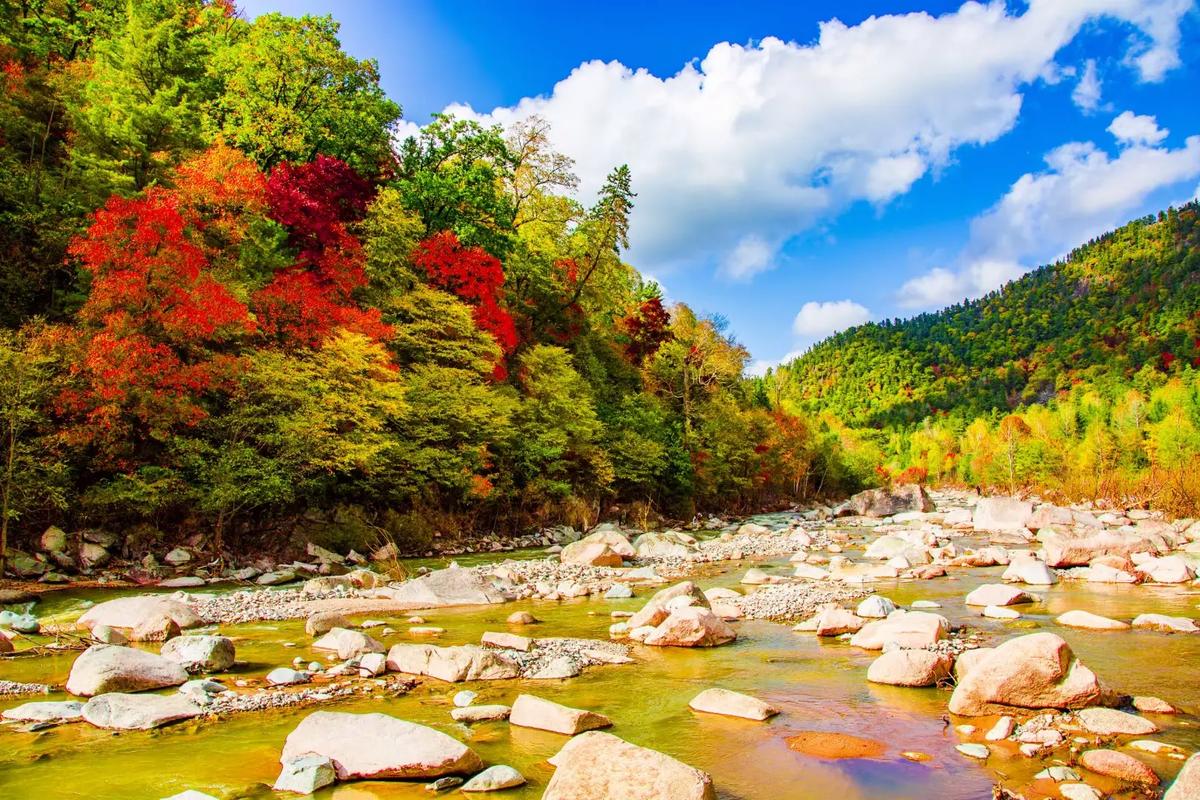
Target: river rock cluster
point(1026, 694)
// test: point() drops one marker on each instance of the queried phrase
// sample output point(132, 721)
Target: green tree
point(30, 474)
point(452, 174)
point(137, 114)
point(289, 92)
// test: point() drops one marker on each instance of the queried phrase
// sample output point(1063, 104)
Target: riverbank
point(756, 574)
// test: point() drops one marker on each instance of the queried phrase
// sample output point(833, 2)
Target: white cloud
point(1083, 193)
point(745, 148)
point(1086, 94)
point(1130, 128)
point(821, 319)
point(750, 256)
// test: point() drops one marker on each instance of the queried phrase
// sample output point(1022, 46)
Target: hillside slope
point(1121, 303)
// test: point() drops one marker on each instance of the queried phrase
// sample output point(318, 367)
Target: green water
point(819, 685)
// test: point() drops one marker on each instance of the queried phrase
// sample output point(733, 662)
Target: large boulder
point(599, 766)
point(910, 668)
point(1002, 514)
point(732, 704)
point(660, 604)
point(1035, 671)
point(110, 668)
point(201, 653)
point(378, 746)
point(1187, 782)
point(132, 613)
point(529, 711)
point(668, 544)
point(906, 629)
point(451, 664)
point(1075, 547)
point(454, 586)
point(888, 502)
point(348, 643)
point(691, 626)
point(590, 554)
point(137, 712)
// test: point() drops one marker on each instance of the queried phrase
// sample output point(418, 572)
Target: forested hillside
point(231, 299)
point(1080, 379)
point(1117, 305)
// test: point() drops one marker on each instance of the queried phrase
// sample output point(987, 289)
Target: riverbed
point(818, 684)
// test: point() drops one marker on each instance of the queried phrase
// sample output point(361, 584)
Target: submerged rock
point(1034, 671)
point(600, 766)
point(109, 668)
point(378, 746)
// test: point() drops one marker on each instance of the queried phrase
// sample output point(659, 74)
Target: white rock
point(305, 775)
point(529, 711)
point(137, 712)
point(732, 704)
point(493, 779)
point(875, 606)
point(104, 668)
point(378, 746)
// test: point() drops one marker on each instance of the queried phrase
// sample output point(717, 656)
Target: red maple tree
point(476, 276)
point(305, 302)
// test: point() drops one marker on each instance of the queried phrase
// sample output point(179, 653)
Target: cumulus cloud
point(821, 319)
point(1084, 192)
point(752, 144)
point(1086, 94)
point(1130, 128)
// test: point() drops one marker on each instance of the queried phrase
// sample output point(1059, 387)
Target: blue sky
point(798, 175)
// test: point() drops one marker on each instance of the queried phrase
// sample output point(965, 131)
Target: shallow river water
point(819, 685)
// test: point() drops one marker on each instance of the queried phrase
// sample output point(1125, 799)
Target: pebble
point(972, 750)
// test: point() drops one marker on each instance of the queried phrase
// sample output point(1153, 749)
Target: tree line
point(232, 303)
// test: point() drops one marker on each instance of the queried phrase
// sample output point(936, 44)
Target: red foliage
point(153, 324)
point(474, 275)
point(307, 301)
point(647, 327)
point(1167, 359)
point(314, 201)
point(913, 475)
